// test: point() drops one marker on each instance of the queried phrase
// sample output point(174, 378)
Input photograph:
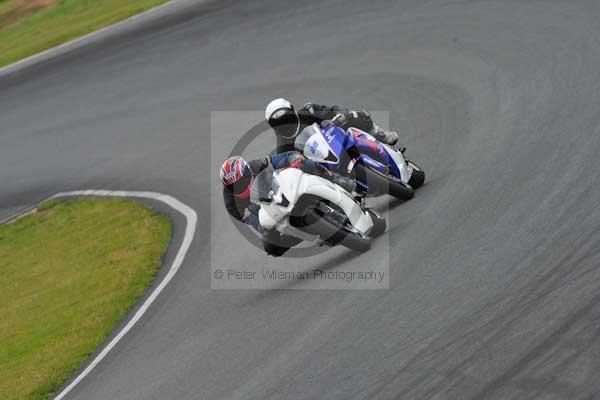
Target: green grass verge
point(68, 274)
point(28, 27)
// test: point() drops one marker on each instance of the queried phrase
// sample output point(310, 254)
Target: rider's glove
point(326, 123)
point(296, 160)
point(253, 208)
point(339, 119)
point(253, 221)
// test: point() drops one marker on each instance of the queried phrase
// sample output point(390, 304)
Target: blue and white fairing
point(330, 145)
point(379, 155)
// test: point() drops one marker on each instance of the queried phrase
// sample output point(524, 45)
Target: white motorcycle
point(313, 209)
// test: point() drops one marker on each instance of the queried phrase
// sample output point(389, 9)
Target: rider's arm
point(321, 112)
point(314, 168)
point(259, 164)
point(294, 159)
point(286, 159)
point(231, 205)
point(248, 215)
point(252, 219)
point(338, 115)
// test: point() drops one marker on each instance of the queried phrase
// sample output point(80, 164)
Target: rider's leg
point(387, 137)
point(276, 244)
point(363, 121)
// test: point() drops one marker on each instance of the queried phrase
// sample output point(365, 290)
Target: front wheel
point(379, 224)
point(417, 178)
point(331, 232)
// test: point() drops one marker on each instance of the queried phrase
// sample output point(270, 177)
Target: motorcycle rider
point(287, 122)
point(237, 176)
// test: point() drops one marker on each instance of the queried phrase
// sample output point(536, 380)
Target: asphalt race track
point(494, 285)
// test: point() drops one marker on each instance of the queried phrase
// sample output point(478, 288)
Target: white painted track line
point(191, 219)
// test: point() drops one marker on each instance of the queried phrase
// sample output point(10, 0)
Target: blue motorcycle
point(377, 167)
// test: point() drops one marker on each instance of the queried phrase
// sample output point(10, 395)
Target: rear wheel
point(380, 183)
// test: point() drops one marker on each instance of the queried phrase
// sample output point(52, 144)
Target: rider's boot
point(387, 137)
point(348, 184)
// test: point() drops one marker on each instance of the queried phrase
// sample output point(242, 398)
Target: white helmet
point(282, 117)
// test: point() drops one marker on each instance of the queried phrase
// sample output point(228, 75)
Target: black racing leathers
point(312, 112)
point(236, 206)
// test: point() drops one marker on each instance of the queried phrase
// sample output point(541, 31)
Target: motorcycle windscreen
point(304, 135)
point(318, 150)
point(336, 139)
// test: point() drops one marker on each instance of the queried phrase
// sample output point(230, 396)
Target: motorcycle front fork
point(362, 199)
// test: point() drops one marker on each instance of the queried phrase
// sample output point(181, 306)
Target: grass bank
point(68, 274)
point(28, 27)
